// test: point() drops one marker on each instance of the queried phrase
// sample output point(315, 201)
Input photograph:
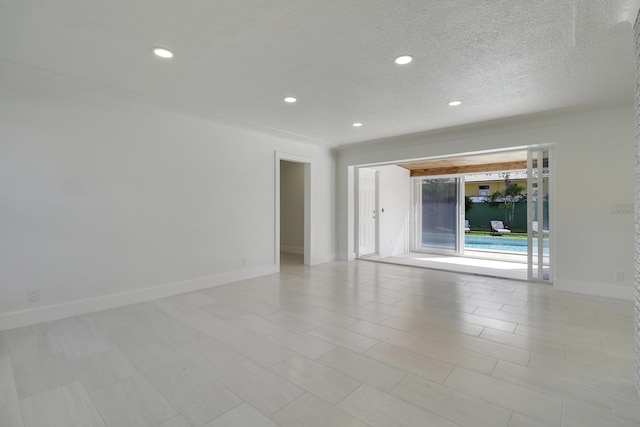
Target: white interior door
point(366, 212)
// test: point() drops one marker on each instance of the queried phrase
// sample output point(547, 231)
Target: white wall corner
point(347, 256)
point(597, 289)
point(33, 316)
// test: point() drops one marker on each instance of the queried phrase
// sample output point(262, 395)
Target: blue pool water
point(500, 243)
point(447, 241)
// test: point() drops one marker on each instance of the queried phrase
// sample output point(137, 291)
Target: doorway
point(292, 210)
point(455, 200)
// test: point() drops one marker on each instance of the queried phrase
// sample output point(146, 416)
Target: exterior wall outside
point(472, 188)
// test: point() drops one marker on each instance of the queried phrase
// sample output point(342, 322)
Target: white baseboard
point(292, 249)
point(322, 259)
point(598, 289)
point(33, 316)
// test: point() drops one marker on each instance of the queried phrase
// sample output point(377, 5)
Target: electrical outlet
point(33, 295)
point(618, 275)
point(244, 261)
point(622, 208)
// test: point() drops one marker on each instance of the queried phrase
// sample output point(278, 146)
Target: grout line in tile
point(613, 411)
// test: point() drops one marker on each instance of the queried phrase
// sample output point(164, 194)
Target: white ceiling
point(237, 59)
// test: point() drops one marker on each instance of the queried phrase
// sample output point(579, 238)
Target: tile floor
point(339, 344)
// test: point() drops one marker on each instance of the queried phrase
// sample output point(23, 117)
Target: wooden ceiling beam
point(467, 169)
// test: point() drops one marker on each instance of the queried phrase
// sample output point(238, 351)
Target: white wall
point(594, 153)
point(636, 29)
point(104, 201)
point(394, 191)
point(292, 207)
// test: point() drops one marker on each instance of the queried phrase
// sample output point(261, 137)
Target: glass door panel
point(439, 220)
point(538, 230)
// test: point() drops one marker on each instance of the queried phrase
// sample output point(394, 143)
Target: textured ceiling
point(236, 59)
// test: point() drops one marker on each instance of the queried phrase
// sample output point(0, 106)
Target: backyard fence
point(481, 214)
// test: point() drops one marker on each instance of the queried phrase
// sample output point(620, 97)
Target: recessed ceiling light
point(403, 59)
point(290, 99)
point(162, 52)
point(357, 124)
point(454, 103)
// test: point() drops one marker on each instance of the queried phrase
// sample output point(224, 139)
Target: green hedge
point(481, 214)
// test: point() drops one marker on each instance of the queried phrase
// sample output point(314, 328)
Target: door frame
point(351, 225)
point(537, 275)
point(306, 161)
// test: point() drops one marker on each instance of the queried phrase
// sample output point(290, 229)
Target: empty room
point(196, 197)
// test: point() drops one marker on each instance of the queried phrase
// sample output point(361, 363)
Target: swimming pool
point(501, 243)
point(490, 243)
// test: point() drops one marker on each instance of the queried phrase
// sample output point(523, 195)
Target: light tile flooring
point(339, 344)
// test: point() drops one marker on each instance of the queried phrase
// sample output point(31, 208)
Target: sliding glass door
point(538, 224)
point(438, 202)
